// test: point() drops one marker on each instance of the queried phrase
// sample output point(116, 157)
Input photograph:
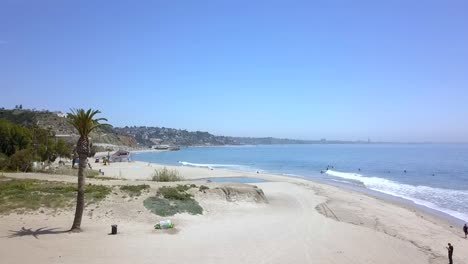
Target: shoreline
point(403, 201)
point(397, 200)
point(311, 214)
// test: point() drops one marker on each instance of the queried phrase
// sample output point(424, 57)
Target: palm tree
point(84, 122)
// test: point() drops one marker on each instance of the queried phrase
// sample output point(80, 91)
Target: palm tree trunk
point(80, 198)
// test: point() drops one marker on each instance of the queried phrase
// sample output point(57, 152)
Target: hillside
point(43, 119)
point(138, 137)
point(57, 123)
point(128, 136)
point(148, 136)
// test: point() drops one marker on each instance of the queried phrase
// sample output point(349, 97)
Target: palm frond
point(84, 121)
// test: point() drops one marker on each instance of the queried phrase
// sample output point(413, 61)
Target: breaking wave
point(452, 202)
point(214, 165)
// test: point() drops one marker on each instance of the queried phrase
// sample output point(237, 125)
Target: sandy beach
point(302, 222)
point(233, 132)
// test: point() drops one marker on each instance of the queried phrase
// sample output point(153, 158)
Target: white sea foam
point(452, 202)
point(291, 174)
point(212, 165)
point(203, 165)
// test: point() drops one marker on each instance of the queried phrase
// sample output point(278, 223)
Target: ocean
point(430, 175)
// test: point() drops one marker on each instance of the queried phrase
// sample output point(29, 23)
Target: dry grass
point(167, 175)
point(33, 194)
point(70, 171)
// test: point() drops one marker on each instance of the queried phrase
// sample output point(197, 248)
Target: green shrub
point(175, 193)
point(134, 190)
point(183, 188)
point(96, 192)
point(13, 137)
point(173, 200)
point(164, 207)
point(21, 160)
point(63, 149)
point(203, 188)
point(166, 175)
point(4, 162)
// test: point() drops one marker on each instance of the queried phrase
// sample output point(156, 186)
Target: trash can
point(114, 229)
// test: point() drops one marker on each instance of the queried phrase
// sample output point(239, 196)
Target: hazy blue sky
point(351, 70)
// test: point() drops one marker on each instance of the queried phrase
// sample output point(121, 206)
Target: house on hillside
point(60, 114)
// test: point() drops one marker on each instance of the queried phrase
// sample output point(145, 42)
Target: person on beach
point(450, 253)
point(465, 229)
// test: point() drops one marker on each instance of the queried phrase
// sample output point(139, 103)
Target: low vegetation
point(134, 190)
point(173, 200)
point(20, 146)
point(175, 193)
point(97, 177)
point(70, 171)
point(26, 194)
point(164, 207)
point(167, 175)
point(203, 188)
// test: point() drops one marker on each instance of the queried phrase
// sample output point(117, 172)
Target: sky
point(346, 70)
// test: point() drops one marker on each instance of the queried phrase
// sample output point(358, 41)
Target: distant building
point(60, 114)
point(165, 147)
point(160, 147)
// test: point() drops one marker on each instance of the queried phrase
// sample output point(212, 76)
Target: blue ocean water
point(432, 175)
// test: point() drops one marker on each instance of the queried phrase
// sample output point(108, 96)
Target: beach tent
point(120, 156)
